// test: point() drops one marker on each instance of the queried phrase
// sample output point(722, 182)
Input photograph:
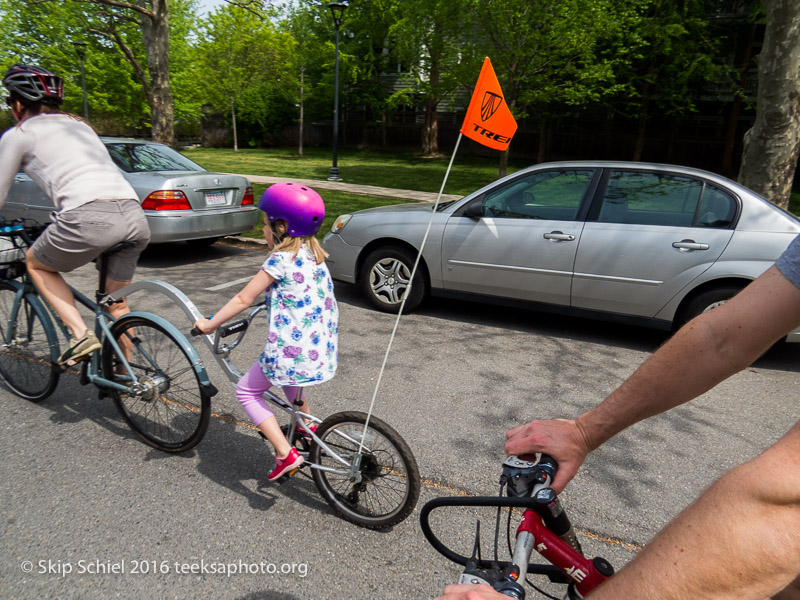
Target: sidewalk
point(340, 186)
point(354, 188)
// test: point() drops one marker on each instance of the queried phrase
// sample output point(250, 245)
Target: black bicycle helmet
point(34, 84)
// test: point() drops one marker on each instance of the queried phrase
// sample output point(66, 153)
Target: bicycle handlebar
point(545, 528)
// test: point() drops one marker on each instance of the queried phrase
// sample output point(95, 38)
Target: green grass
point(794, 203)
point(400, 170)
point(336, 204)
point(392, 169)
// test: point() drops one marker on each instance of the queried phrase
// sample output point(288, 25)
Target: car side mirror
point(474, 210)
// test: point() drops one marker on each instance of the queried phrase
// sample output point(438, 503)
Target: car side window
point(551, 195)
point(717, 209)
point(642, 198)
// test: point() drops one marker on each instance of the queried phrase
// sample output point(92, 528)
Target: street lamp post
point(80, 48)
point(337, 10)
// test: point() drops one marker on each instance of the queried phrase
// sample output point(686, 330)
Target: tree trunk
point(641, 130)
point(430, 131)
point(235, 130)
point(736, 107)
point(541, 155)
point(155, 35)
point(501, 172)
point(302, 90)
point(771, 146)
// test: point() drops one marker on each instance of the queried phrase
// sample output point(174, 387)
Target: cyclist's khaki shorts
point(78, 236)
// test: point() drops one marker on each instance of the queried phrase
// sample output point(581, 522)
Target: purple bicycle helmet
point(34, 84)
point(301, 207)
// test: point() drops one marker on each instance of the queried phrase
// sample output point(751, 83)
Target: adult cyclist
point(95, 206)
point(741, 539)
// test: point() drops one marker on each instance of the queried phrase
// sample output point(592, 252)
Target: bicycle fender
point(43, 313)
point(197, 362)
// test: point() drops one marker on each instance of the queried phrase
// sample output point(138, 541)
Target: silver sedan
point(182, 201)
point(642, 243)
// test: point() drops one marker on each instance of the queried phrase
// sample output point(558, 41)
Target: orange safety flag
point(488, 120)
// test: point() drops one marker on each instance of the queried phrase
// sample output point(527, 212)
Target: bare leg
point(55, 290)
point(291, 394)
point(116, 311)
point(272, 431)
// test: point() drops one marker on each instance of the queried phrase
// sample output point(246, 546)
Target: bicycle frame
point(92, 372)
point(222, 353)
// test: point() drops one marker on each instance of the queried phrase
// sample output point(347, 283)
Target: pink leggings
point(249, 390)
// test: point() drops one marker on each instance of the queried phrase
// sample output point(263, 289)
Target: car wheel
point(385, 279)
point(202, 243)
point(704, 302)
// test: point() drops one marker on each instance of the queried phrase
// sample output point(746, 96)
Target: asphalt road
point(91, 512)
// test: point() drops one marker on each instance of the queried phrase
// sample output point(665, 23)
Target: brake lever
point(473, 574)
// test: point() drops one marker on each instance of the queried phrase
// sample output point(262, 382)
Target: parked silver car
point(182, 201)
point(644, 243)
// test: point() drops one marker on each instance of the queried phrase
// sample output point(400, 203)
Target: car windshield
point(140, 158)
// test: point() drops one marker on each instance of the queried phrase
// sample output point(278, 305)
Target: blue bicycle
point(154, 375)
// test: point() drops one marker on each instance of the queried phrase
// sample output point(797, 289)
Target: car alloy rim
point(714, 305)
point(389, 280)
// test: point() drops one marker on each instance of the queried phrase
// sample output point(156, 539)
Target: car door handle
point(688, 245)
point(559, 236)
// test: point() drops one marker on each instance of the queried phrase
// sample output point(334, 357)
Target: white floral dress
point(302, 345)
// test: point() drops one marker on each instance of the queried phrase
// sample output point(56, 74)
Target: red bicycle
point(545, 528)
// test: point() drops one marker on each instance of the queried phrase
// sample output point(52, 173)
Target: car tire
point(385, 276)
point(203, 242)
point(704, 302)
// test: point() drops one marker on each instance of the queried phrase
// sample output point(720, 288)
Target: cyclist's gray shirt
point(789, 262)
point(65, 158)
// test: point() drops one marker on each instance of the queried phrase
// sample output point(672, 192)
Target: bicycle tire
point(390, 484)
point(26, 365)
point(171, 411)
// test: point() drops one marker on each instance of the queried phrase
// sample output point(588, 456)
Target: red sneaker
point(312, 427)
point(289, 465)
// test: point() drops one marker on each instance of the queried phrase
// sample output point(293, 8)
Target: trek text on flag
point(488, 120)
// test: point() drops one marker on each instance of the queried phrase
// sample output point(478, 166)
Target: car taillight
point(166, 200)
point(248, 198)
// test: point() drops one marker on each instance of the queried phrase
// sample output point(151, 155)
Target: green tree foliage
point(429, 39)
point(244, 68)
point(42, 34)
point(677, 55)
point(556, 53)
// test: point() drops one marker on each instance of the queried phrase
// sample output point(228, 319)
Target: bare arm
point(739, 541)
point(238, 303)
point(706, 351)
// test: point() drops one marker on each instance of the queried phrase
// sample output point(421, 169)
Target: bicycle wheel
point(390, 482)
point(167, 409)
point(25, 363)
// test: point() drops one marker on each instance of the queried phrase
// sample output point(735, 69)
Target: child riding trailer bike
point(362, 466)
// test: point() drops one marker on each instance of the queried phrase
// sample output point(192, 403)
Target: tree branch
point(116, 3)
point(257, 7)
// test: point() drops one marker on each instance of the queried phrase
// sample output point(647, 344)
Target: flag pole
point(407, 294)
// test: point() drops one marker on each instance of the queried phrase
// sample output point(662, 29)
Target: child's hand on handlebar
point(560, 438)
point(204, 326)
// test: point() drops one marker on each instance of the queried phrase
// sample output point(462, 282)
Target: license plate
point(215, 198)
